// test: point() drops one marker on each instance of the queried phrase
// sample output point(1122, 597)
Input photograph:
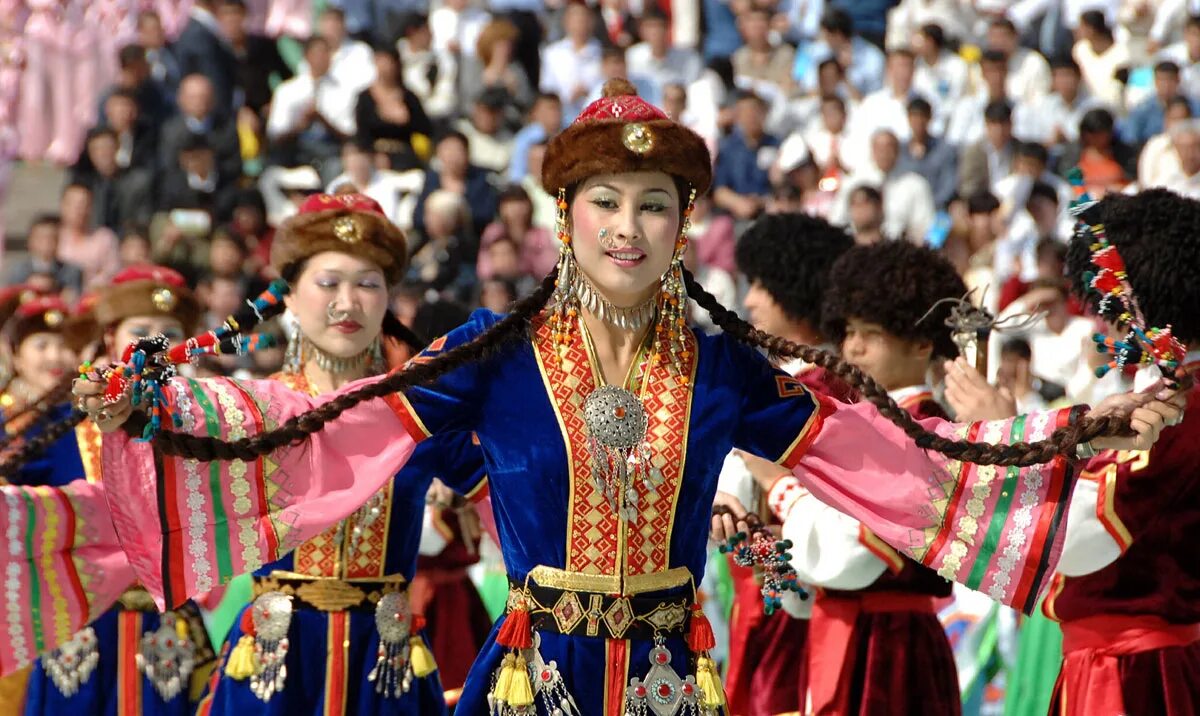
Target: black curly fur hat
point(894, 284)
point(1157, 234)
point(791, 255)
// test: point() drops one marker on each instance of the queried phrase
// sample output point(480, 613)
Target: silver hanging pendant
point(71, 665)
point(548, 684)
point(392, 674)
point(364, 517)
point(272, 615)
point(616, 421)
point(167, 656)
point(662, 692)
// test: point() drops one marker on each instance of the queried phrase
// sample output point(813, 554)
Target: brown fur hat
point(621, 132)
point(148, 290)
point(347, 223)
point(43, 314)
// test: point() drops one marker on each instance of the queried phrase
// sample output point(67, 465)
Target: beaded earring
point(672, 300)
point(565, 300)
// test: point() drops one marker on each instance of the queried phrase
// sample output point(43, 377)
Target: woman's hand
point(730, 522)
point(972, 397)
point(1148, 412)
point(89, 398)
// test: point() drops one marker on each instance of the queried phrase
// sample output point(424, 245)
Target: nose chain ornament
point(616, 423)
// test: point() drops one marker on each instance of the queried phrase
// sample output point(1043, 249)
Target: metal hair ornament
point(147, 365)
point(1142, 345)
point(761, 550)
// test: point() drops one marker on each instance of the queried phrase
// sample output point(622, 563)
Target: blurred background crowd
point(183, 131)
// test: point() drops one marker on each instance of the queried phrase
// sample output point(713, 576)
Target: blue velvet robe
point(456, 461)
point(522, 403)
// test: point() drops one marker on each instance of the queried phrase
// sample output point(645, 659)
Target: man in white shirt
point(1186, 138)
point(1158, 164)
point(1028, 72)
point(456, 26)
point(1186, 54)
point(432, 75)
point(1100, 55)
point(571, 66)
point(887, 108)
point(490, 142)
point(396, 192)
point(966, 124)
point(1054, 118)
point(908, 209)
point(1060, 341)
point(656, 59)
point(940, 75)
point(311, 114)
point(353, 62)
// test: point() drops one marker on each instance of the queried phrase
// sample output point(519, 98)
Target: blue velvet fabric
point(60, 463)
point(99, 695)
point(456, 461)
point(304, 690)
point(738, 400)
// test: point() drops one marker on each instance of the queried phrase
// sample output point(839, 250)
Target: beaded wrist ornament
point(760, 549)
point(1142, 345)
point(147, 365)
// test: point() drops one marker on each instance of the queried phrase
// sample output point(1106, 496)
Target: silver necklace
point(630, 319)
point(335, 364)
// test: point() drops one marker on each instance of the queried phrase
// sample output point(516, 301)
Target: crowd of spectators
point(190, 128)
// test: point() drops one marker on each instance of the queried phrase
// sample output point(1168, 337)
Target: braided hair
point(516, 325)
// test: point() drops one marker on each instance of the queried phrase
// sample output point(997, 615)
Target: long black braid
point(516, 325)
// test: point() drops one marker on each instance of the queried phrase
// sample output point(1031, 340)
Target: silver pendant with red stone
point(663, 692)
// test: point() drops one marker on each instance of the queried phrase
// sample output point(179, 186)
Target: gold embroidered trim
point(610, 583)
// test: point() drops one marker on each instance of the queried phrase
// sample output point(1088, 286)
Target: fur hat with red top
point(148, 290)
point(347, 223)
point(621, 132)
point(37, 314)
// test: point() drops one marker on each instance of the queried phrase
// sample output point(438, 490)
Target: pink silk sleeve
point(62, 566)
point(189, 526)
point(998, 530)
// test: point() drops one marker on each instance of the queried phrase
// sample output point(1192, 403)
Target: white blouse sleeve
point(1088, 547)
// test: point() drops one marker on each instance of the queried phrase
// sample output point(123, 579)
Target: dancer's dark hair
point(516, 325)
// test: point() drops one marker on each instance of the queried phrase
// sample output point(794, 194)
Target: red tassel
point(516, 632)
point(247, 623)
point(700, 634)
point(1108, 258)
point(418, 623)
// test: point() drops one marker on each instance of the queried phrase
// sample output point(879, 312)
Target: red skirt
point(1128, 666)
point(456, 623)
point(880, 654)
point(766, 654)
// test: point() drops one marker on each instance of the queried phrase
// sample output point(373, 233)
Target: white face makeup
point(339, 300)
point(623, 229)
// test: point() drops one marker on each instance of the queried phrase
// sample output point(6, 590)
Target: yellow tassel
point(504, 680)
point(243, 662)
point(520, 693)
point(420, 657)
point(181, 628)
point(712, 693)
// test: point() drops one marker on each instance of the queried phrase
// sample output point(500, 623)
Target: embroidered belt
point(578, 613)
point(329, 594)
point(833, 646)
point(1090, 681)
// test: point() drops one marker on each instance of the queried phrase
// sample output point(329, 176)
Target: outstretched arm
point(62, 566)
point(189, 526)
